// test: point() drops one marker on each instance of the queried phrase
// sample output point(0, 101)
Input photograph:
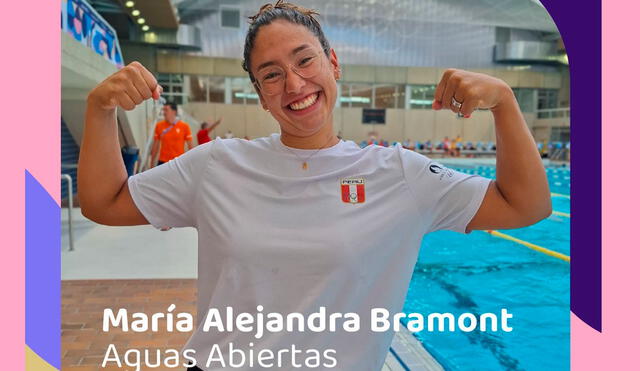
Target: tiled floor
point(84, 344)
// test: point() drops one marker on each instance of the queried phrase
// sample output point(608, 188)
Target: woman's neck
point(324, 138)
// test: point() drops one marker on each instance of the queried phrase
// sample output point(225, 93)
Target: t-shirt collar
point(277, 140)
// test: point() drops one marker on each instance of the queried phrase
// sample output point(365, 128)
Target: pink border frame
point(32, 80)
point(31, 41)
point(616, 347)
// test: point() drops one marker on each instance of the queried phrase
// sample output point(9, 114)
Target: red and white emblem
point(352, 190)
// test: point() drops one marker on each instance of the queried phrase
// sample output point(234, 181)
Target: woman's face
point(278, 43)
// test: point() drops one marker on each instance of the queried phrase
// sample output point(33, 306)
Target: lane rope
point(537, 248)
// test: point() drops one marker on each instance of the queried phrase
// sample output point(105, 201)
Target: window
point(230, 18)
point(216, 89)
point(547, 98)
point(389, 96)
point(173, 87)
point(242, 91)
point(356, 95)
point(345, 94)
point(525, 98)
point(401, 98)
point(422, 96)
point(197, 89)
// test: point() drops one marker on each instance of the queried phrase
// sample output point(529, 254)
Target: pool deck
point(407, 353)
point(144, 253)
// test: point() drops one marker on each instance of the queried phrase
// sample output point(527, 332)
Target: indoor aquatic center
point(392, 56)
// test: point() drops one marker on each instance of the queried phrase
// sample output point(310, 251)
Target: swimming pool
point(481, 273)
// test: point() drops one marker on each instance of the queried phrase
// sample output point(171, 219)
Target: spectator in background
point(373, 137)
point(228, 134)
point(170, 136)
point(205, 130)
point(457, 146)
point(408, 144)
point(446, 145)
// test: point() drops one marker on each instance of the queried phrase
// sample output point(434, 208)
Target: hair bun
point(281, 4)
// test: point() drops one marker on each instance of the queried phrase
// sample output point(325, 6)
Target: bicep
point(165, 194)
point(124, 211)
point(495, 212)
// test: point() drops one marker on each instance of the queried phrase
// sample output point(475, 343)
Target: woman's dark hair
point(288, 12)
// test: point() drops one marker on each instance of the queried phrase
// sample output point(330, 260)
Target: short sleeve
point(165, 194)
point(447, 199)
point(156, 132)
point(187, 132)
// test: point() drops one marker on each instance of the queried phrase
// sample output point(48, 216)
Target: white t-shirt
point(343, 234)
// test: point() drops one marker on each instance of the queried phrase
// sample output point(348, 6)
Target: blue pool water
point(480, 273)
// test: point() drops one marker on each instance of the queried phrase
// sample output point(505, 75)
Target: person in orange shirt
point(170, 136)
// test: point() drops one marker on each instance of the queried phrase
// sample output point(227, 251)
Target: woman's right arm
point(102, 178)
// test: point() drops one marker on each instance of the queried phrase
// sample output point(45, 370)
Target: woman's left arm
point(520, 194)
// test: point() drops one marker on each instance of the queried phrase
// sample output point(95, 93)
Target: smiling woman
point(294, 71)
point(302, 220)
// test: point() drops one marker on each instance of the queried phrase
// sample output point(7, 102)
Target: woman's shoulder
point(263, 143)
point(234, 149)
point(378, 156)
point(382, 151)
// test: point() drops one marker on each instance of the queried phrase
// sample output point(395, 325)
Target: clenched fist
point(130, 86)
point(463, 92)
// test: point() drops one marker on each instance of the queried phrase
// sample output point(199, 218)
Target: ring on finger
point(455, 103)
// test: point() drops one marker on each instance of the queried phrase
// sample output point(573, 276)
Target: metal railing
point(67, 177)
point(558, 154)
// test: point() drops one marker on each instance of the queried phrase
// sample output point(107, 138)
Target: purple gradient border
point(582, 35)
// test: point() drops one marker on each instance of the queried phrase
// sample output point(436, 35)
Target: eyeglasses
point(270, 79)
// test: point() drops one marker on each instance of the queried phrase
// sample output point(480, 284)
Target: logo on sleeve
point(352, 190)
point(436, 168)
